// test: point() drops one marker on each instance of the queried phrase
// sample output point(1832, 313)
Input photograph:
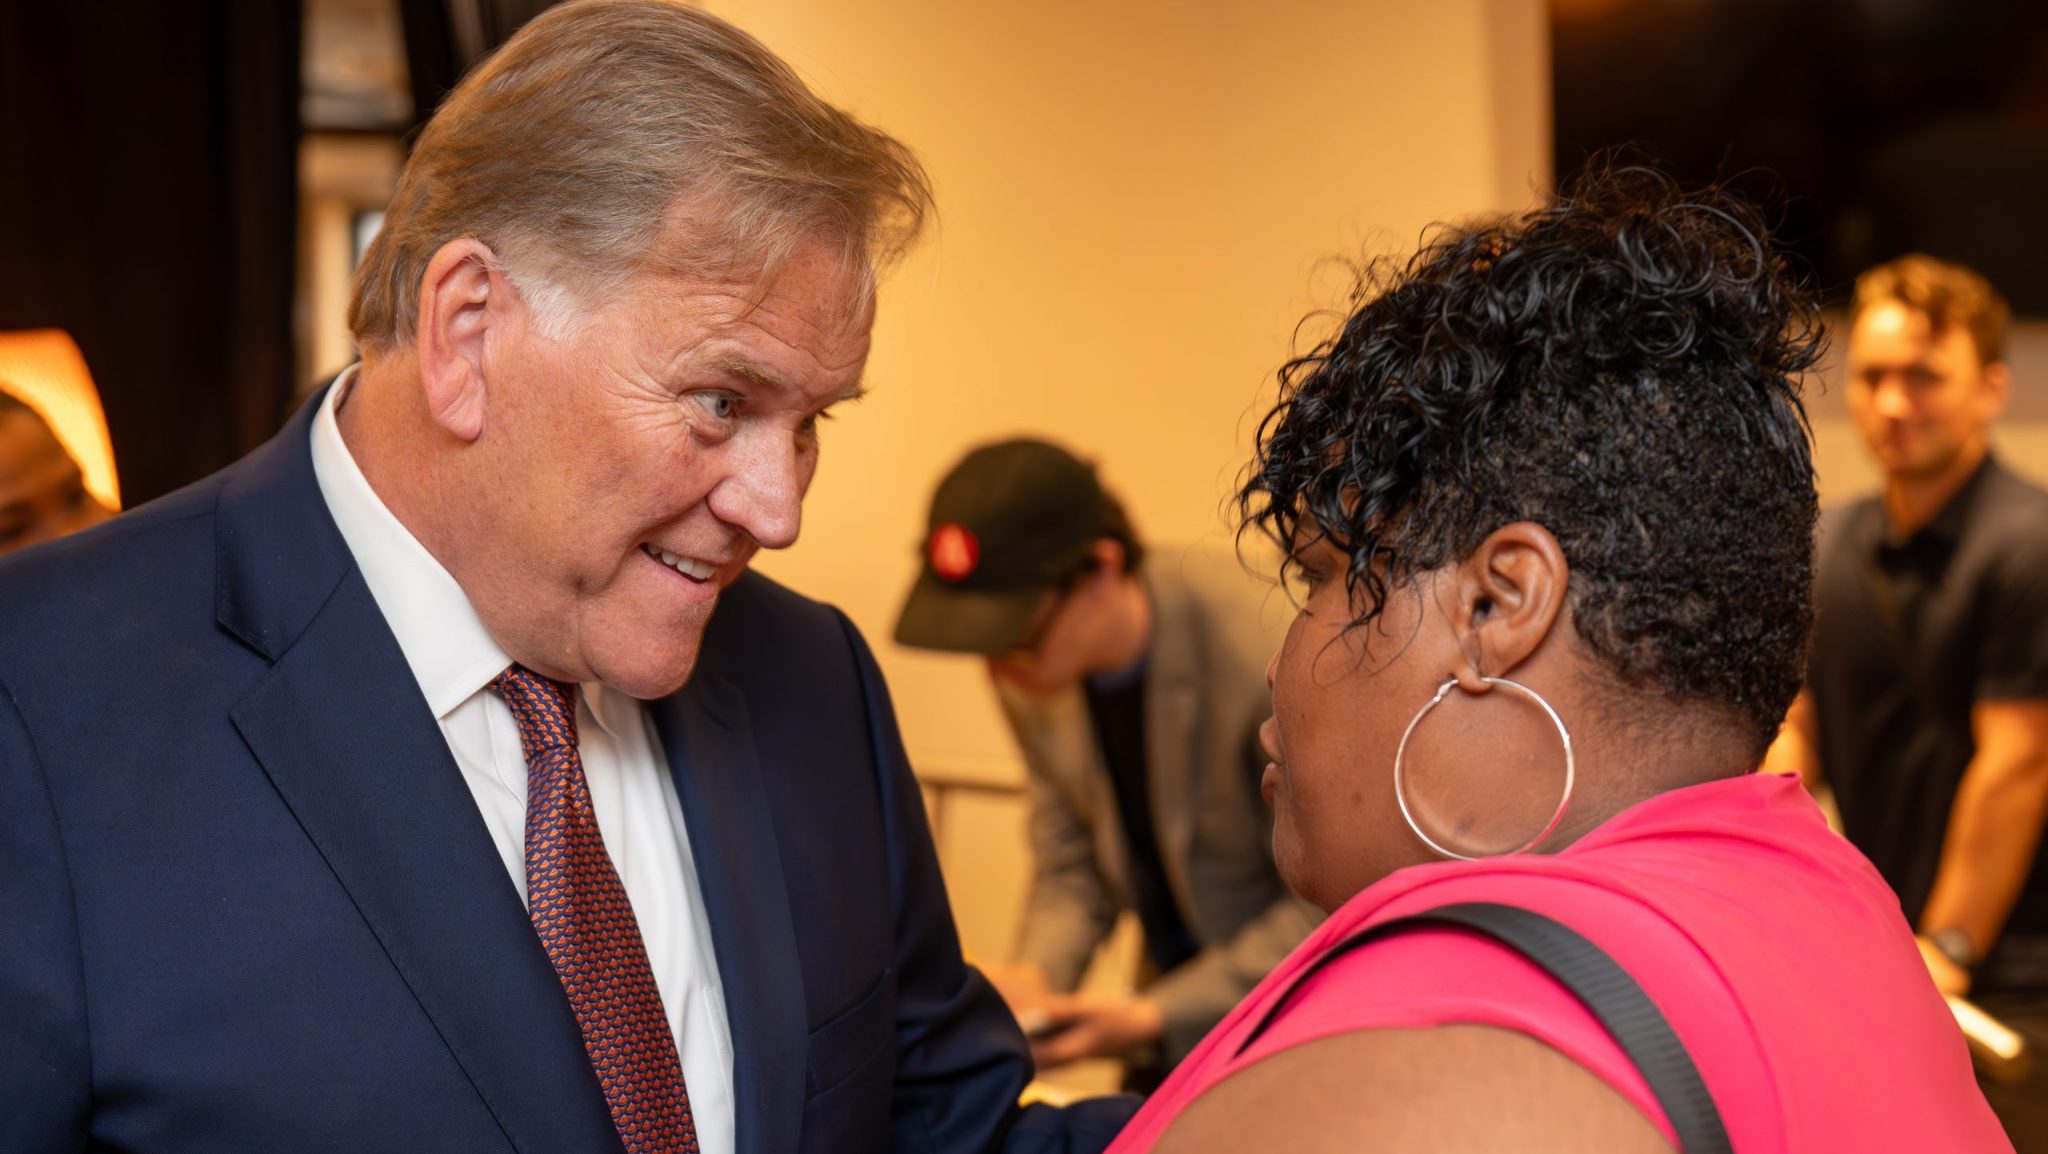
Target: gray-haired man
point(398, 789)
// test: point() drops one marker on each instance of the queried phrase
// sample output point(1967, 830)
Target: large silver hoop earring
point(1400, 784)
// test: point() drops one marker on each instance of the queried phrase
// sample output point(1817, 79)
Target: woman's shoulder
point(1747, 922)
point(1448, 1088)
point(1432, 977)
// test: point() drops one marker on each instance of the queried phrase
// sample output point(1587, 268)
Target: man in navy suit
point(398, 789)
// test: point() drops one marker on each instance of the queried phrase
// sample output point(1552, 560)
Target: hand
point(1949, 978)
point(1095, 1026)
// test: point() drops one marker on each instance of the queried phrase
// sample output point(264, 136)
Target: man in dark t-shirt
point(1921, 635)
point(1134, 685)
point(1926, 705)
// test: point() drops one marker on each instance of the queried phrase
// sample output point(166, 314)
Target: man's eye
point(809, 428)
point(721, 406)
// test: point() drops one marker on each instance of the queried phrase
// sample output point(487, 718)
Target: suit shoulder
point(756, 601)
point(1844, 522)
point(2019, 498)
point(1839, 513)
point(2015, 528)
point(760, 622)
point(138, 554)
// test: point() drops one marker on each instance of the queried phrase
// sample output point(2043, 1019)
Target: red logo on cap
point(953, 551)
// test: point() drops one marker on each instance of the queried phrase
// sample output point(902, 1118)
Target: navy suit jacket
point(248, 904)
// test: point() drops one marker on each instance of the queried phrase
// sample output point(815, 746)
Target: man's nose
point(1272, 670)
point(763, 491)
point(1889, 398)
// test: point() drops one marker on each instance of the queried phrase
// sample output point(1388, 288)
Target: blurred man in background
point(1926, 704)
point(42, 491)
point(1135, 687)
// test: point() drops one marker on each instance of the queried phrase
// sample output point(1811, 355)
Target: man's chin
point(1924, 467)
point(649, 676)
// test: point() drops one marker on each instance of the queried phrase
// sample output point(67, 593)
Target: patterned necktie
point(585, 923)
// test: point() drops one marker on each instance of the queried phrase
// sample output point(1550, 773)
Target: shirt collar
point(613, 711)
point(1946, 526)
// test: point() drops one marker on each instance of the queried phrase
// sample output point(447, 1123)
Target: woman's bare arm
point(1447, 1090)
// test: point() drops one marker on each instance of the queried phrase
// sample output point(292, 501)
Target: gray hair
point(572, 149)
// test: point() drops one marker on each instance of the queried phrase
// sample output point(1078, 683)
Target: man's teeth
point(689, 567)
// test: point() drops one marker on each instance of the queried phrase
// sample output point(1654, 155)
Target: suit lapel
point(1073, 750)
point(341, 729)
point(1172, 713)
point(707, 737)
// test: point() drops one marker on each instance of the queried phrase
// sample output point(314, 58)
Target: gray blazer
point(1205, 696)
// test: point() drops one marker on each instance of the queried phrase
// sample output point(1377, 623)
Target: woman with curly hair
point(1550, 500)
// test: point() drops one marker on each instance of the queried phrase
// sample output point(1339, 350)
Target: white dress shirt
point(638, 813)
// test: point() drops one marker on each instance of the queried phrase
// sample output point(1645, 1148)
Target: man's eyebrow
point(741, 366)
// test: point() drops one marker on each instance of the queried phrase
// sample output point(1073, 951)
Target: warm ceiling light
point(44, 370)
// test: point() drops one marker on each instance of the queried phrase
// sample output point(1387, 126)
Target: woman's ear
point(455, 313)
point(1504, 600)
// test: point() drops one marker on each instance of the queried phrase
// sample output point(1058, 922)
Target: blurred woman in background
point(43, 494)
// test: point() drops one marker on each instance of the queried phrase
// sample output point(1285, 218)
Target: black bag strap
point(1595, 979)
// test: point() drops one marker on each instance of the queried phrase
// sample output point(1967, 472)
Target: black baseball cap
point(1011, 521)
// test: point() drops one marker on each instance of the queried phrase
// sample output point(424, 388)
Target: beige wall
point(1138, 204)
point(1134, 202)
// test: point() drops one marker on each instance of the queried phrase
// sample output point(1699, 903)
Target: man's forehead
point(806, 297)
point(733, 362)
point(1889, 324)
point(817, 270)
point(1890, 317)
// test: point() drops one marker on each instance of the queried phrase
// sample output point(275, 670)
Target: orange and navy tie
point(585, 923)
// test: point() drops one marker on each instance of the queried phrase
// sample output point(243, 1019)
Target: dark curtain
point(444, 37)
point(1868, 130)
point(149, 207)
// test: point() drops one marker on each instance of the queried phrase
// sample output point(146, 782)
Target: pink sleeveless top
point(1775, 949)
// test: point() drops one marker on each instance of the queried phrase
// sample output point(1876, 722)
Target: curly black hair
point(1622, 366)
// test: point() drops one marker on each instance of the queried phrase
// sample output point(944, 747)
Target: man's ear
point(1997, 389)
point(1110, 558)
point(456, 310)
point(1504, 600)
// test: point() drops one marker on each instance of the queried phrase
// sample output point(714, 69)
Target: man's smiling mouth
point(689, 567)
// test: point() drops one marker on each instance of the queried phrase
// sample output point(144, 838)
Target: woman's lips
point(1269, 741)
